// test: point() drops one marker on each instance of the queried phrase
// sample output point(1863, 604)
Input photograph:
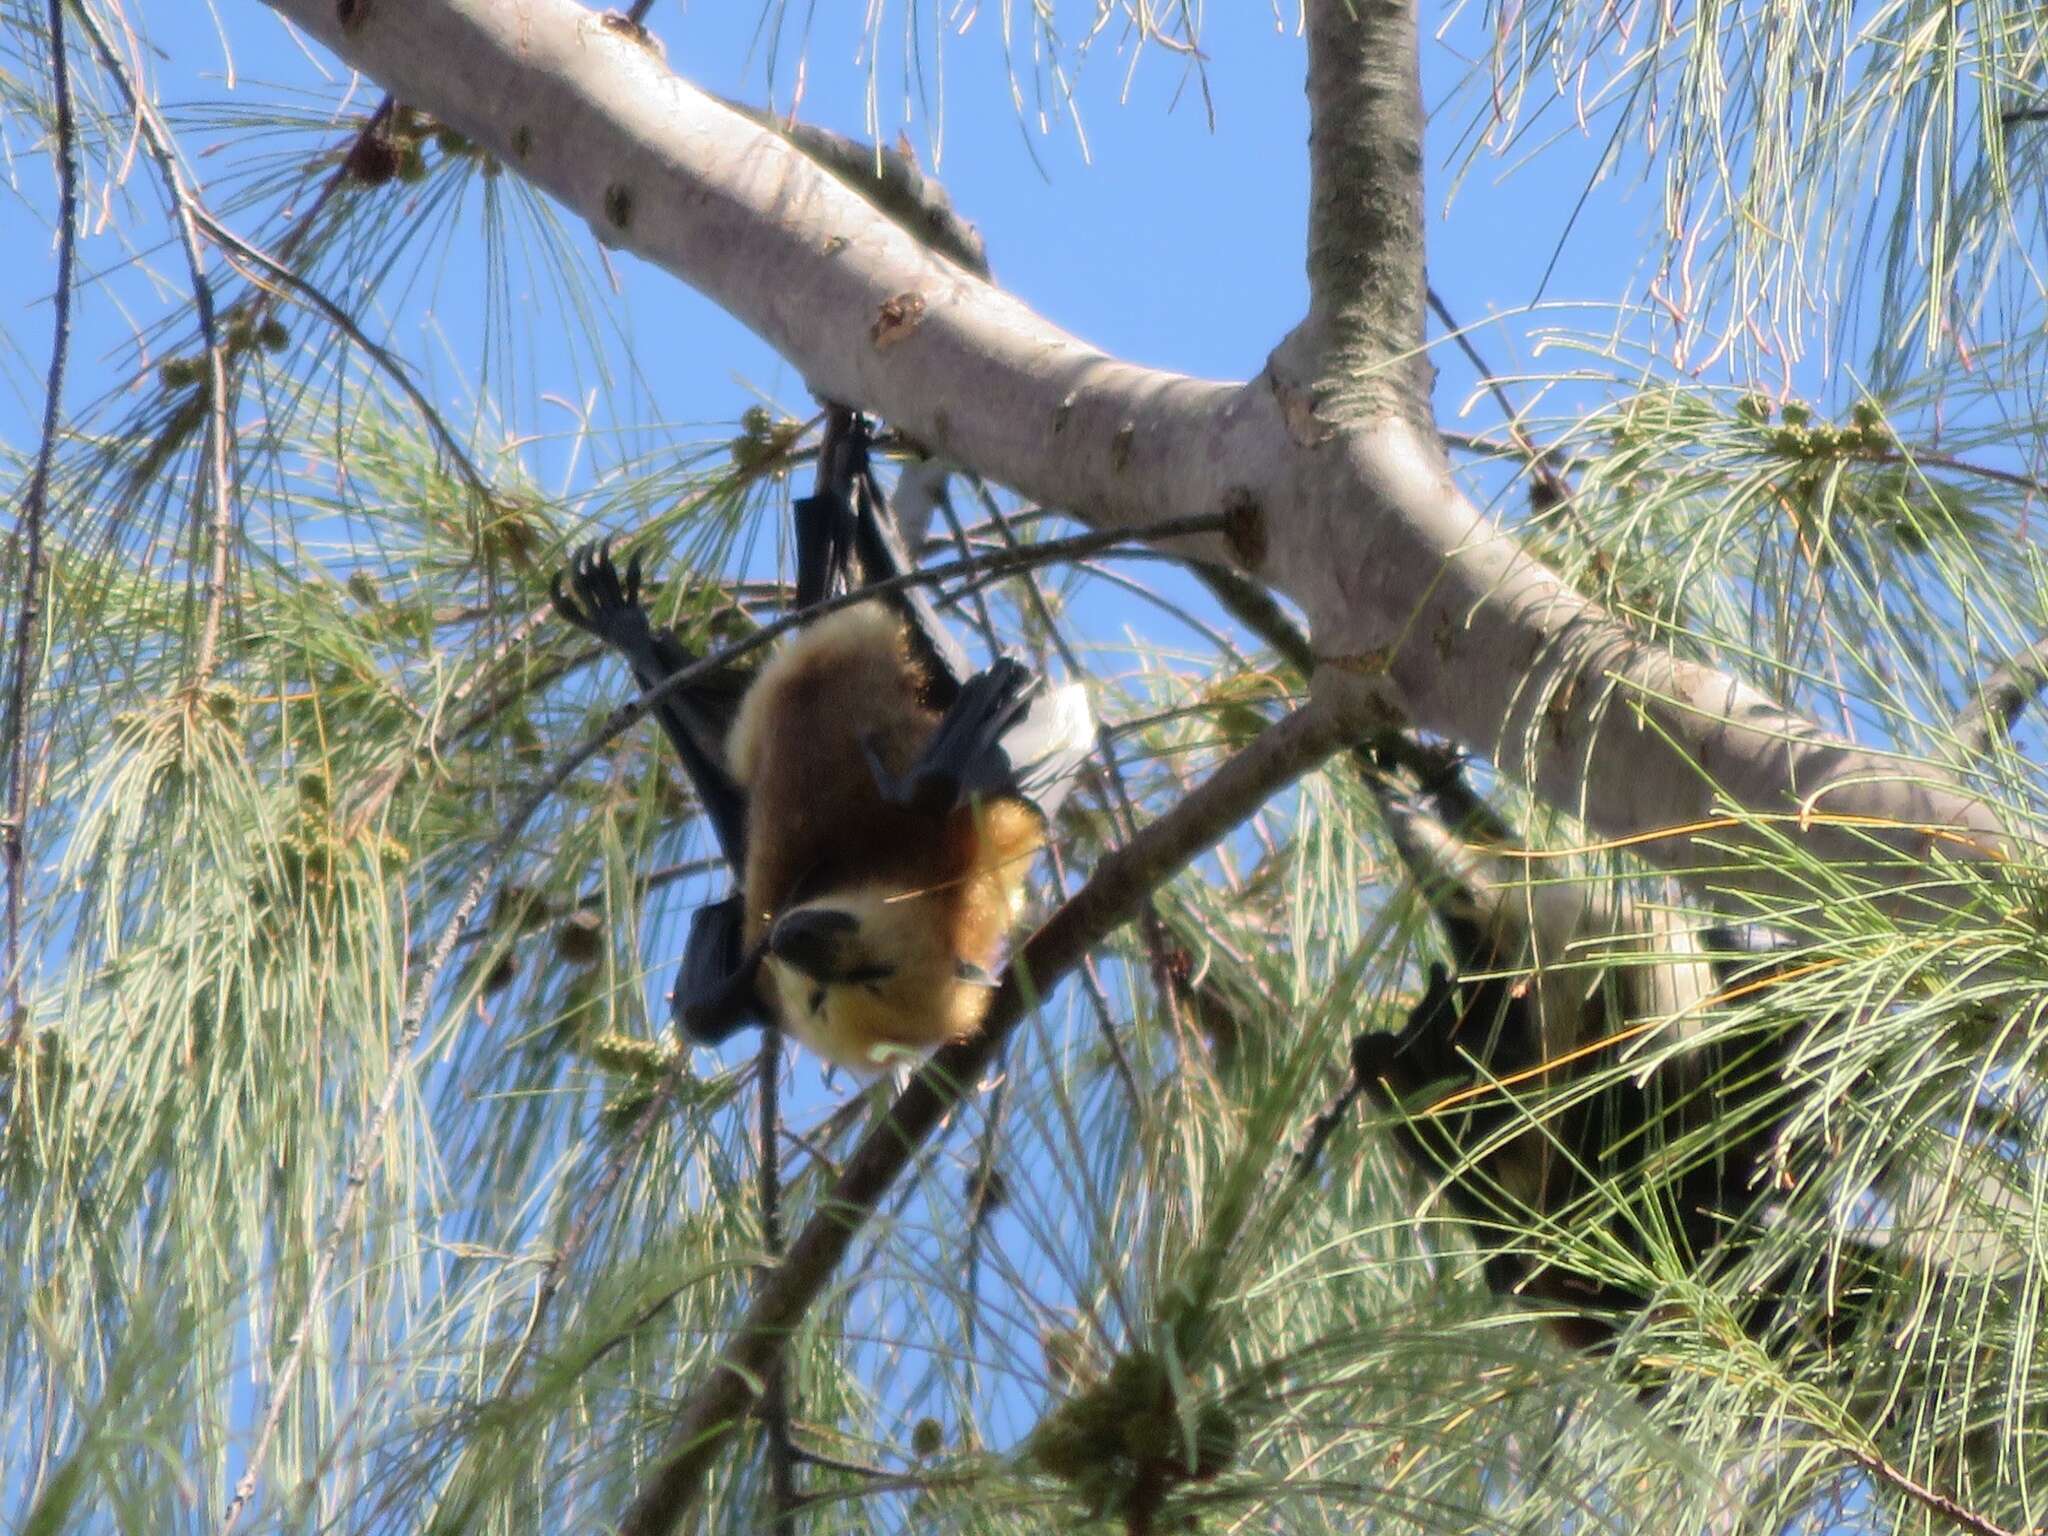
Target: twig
point(157, 139)
point(1125, 875)
point(1549, 481)
point(2004, 694)
point(1945, 1505)
point(1324, 1126)
point(187, 212)
point(983, 621)
point(288, 243)
point(565, 1253)
point(35, 506)
point(781, 1454)
point(279, 272)
point(1258, 611)
point(369, 1150)
point(556, 1269)
point(1914, 458)
point(385, 783)
point(980, 1204)
point(643, 885)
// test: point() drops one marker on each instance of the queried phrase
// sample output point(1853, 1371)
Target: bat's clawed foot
point(598, 599)
point(1425, 1051)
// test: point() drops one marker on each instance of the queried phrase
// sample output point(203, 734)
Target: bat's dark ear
point(714, 997)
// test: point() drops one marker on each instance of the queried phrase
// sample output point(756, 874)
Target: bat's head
point(856, 973)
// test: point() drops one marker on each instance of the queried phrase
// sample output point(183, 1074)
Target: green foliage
point(1126, 1442)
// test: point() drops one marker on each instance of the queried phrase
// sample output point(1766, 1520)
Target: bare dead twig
point(158, 141)
point(35, 509)
point(1932, 1499)
point(1550, 482)
point(781, 1453)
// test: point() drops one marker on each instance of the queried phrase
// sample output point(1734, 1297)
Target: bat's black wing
point(714, 992)
point(695, 719)
point(714, 995)
point(1008, 735)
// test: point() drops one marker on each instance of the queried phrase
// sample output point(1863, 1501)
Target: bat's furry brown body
point(932, 898)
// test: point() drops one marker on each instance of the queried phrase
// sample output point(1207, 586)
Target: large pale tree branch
point(1416, 601)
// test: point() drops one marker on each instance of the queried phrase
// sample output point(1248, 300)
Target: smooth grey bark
point(1337, 487)
point(1360, 348)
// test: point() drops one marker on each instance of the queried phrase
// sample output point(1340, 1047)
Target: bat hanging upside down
point(881, 815)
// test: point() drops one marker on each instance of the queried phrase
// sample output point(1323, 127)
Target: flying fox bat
point(1507, 1081)
point(878, 805)
point(1551, 979)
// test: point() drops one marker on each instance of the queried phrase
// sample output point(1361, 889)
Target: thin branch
point(1919, 458)
point(783, 1501)
point(1950, 1509)
point(157, 139)
point(710, 1412)
point(2004, 694)
point(385, 784)
point(981, 1204)
point(580, 1226)
point(35, 507)
point(1257, 610)
point(983, 620)
point(412, 1021)
point(1550, 483)
point(288, 243)
point(187, 212)
point(1480, 444)
point(389, 365)
point(1310, 1150)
